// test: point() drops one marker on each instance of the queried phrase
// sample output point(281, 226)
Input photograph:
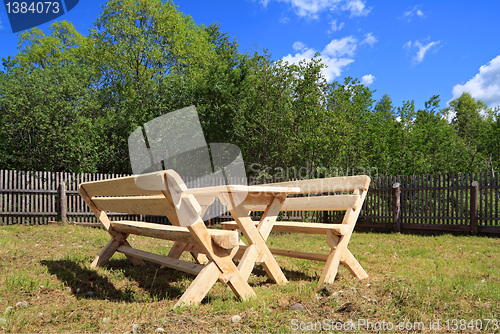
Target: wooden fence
point(446, 203)
point(453, 203)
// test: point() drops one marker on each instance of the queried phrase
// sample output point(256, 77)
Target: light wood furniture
point(164, 193)
point(236, 198)
point(328, 194)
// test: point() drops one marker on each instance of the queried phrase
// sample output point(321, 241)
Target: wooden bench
point(162, 193)
point(329, 194)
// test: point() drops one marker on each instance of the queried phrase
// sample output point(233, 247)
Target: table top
point(237, 188)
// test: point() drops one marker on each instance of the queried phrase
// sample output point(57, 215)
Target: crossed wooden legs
point(339, 254)
point(257, 250)
point(219, 268)
point(119, 239)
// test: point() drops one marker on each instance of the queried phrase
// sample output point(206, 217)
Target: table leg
point(257, 247)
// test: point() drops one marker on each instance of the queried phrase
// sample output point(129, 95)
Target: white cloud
point(312, 8)
point(421, 49)
point(284, 19)
point(334, 67)
point(334, 26)
point(341, 47)
point(297, 46)
point(485, 85)
point(369, 39)
point(415, 11)
point(367, 79)
point(336, 55)
point(305, 54)
point(356, 7)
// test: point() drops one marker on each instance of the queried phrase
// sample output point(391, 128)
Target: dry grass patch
point(45, 277)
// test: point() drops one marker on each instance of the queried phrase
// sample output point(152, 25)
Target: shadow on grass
point(291, 275)
point(155, 281)
point(82, 280)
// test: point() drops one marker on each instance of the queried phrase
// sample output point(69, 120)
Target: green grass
point(412, 279)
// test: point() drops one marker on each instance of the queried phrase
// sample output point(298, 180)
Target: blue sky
point(410, 50)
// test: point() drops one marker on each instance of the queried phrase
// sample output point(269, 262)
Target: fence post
point(326, 217)
point(62, 203)
point(474, 201)
point(396, 206)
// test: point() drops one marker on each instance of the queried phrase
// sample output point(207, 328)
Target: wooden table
point(236, 197)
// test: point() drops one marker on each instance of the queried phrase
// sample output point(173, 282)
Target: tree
point(280, 126)
point(382, 136)
point(219, 93)
point(45, 122)
point(150, 58)
point(471, 126)
point(435, 145)
point(348, 107)
point(466, 117)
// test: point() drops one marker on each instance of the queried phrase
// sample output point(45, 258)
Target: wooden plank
point(481, 200)
point(328, 185)
point(247, 260)
point(298, 227)
point(2, 195)
point(270, 215)
point(497, 196)
point(435, 227)
point(447, 199)
point(189, 267)
point(436, 197)
point(264, 189)
point(489, 229)
point(462, 200)
point(198, 289)
point(312, 203)
point(126, 186)
point(428, 200)
point(492, 198)
point(300, 255)
point(367, 226)
point(417, 203)
point(3, 206)
point(20, 197)
point(25, 198)
point(148, 205)
point(43, 199)
point(229, 239)
point(473, 207)
point(33, 196)
point(13, 203)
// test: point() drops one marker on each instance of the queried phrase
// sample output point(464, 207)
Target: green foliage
point(45, 123)
point(281, 122)
point(69, 102)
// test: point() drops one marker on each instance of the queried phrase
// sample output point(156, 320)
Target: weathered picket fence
point(452, 202)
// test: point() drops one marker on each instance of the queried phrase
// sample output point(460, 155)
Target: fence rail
point(452, 202)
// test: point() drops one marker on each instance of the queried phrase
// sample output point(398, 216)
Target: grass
point(412, 279)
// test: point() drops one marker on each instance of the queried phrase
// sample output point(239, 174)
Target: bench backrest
point(123, 195)
point(335, 193)
point(156, 193)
